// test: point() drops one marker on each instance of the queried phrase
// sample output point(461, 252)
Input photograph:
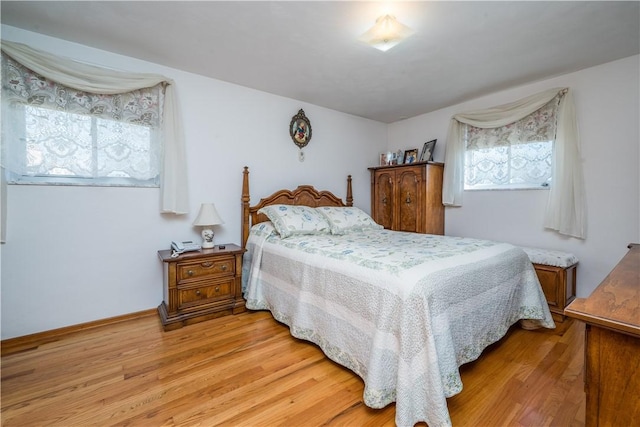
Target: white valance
point(565, 210)
point(98, 80)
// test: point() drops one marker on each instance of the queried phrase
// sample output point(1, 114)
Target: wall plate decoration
point(300, 131)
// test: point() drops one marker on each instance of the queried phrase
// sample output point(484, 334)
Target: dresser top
point(404, 165)
point(229, 248)
point(615, 303)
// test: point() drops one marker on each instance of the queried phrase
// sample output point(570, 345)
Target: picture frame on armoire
point(426, 155)
point(411, 156)
point(383, 159)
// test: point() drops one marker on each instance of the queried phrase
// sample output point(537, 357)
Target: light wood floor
point(246, 370)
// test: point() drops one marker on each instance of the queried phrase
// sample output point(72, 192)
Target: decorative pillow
point(265, 228)
point(344, 220)
point(292, 220)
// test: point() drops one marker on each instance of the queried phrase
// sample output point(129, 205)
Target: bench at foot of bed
point(556, 271)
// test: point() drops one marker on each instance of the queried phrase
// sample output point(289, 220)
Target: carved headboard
point(305, 195)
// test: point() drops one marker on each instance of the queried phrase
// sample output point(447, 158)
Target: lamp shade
point(386, 33)
point(208, 215)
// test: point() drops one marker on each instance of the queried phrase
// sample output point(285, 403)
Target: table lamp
point(207, 218)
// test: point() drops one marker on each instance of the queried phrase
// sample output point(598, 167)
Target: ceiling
point(309, 50)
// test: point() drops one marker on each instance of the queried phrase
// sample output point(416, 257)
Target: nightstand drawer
point(205, 268)
point(200, 295)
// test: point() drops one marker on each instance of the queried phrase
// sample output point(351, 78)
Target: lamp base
point(207, 238)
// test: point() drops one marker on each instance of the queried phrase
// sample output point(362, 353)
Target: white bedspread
point(401, 310)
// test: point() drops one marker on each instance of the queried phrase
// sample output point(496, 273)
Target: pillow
point(292, 220)
point(344, 220)
point(265, 228)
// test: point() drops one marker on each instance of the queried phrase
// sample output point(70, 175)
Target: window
point(53, 134)
point(539, 118)
point(515, 156)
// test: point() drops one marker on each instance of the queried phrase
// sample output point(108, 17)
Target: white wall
point(607, 99)
point(77, 254)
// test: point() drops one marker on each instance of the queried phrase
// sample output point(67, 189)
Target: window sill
point(509, 189)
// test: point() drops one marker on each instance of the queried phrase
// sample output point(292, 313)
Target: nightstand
point(201, 285)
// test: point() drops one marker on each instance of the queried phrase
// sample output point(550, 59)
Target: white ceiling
point(309, 50)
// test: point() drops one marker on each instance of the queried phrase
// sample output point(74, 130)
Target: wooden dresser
point(408, 197)
point(612, 345)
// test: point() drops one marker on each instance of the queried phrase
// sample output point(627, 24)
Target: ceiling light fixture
point(386, 33)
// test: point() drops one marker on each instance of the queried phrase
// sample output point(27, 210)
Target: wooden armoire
point(408, 197)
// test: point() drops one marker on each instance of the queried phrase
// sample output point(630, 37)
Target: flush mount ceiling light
point(386, 33)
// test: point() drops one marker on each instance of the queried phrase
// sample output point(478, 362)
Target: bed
point(402, 310)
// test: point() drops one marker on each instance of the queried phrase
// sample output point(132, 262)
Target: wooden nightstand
point(201, 285)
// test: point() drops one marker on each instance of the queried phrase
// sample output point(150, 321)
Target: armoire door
point(409, 200)
point(384, 198)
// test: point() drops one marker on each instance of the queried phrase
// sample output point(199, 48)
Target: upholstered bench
point(556, 271)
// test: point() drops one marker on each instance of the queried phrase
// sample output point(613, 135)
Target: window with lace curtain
point(53, 134)
point(515, 156)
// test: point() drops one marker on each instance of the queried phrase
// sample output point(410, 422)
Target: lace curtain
point(74, 81)
point(516, 154)
point(71, 132)
point(565, 211)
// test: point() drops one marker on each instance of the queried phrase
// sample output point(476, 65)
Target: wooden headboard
point(304, 195)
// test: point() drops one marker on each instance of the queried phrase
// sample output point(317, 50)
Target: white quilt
point(401, 310)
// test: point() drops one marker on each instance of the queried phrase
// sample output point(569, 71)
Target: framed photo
point(411, 156)
point(427, 151)
point(388, 158)
point(383, 159)
point(300, 129)
point(392, 158)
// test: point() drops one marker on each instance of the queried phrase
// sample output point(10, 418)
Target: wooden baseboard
point(27, 342)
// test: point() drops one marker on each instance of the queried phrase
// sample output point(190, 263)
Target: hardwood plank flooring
point(247, 370)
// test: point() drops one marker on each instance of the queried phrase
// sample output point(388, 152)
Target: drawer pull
point(217, 288)
point(190, 272)
point(207, 264)
point(198, 292)
point(224, 268)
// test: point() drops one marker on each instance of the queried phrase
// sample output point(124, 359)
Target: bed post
point(349, 192)
point(245, 206)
